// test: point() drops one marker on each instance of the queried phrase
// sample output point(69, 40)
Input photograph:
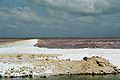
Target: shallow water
point(82, 77)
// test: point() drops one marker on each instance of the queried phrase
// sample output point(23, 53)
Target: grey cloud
point(18, 13)
point(77, 18)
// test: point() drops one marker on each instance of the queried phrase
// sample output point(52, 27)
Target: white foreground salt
point(26, 47)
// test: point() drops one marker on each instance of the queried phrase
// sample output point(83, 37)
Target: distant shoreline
point(60, 38)
point(71, 43)
point(6, 41)
point(79, 43)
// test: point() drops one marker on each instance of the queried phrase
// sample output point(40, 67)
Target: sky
point(59, 18)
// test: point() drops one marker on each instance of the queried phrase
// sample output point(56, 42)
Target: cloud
point(25, 14)
point(61, 18)
point(22, 17)
point(78, 6)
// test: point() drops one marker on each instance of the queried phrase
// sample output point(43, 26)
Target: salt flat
point(27, 47)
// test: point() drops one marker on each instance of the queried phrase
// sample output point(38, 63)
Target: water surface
point(81, 77)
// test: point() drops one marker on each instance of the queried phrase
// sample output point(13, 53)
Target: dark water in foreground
point(82, 77)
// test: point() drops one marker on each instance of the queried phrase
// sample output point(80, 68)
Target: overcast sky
point(59, 18)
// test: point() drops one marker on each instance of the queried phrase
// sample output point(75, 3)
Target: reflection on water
point(81, 77)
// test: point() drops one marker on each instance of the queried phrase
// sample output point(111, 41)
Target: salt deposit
point(26, 47)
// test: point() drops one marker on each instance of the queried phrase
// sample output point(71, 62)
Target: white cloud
point(78, 6)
